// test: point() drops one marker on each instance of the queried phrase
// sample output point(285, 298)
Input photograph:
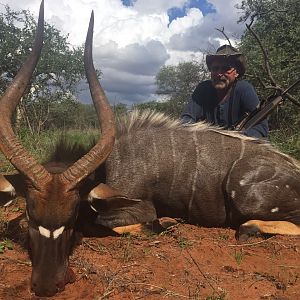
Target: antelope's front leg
point(258, 227)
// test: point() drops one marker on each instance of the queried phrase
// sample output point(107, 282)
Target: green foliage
point(277, 24)
point(6, 244)
point(177, 83)
point(11, 48)
point(41, 146)
point(120, 109)
point(48, 100)
point(70, 114)
point(60, 65)
point(287, 142)
point(163, 106)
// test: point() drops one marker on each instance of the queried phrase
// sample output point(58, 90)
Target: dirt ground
point(185, 262)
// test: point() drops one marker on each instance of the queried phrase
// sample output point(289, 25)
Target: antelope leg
point(254, 227)
point(158, 225)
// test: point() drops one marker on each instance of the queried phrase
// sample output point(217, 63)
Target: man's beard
point(220, 83)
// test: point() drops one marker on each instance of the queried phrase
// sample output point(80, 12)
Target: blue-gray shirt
point(204, 106)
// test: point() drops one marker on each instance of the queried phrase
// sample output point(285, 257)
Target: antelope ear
point(7, 192)
point(104, 197)
point(6, 186)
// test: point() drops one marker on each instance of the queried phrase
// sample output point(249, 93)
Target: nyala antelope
point(146, 167)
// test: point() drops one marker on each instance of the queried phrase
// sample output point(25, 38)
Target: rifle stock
point(261, 112)
point(257, 115)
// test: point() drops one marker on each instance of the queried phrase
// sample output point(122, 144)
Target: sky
point(133, 39)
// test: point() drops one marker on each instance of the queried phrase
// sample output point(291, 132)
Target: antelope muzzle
point(49, 254)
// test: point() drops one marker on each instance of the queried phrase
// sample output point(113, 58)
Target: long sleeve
point(192, 112)
point(249, 102)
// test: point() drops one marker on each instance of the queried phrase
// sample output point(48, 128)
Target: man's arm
point(250, 101)
point(192, 112)
point(260, 130)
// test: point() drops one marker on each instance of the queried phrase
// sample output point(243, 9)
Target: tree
point(178, 83)
point(277, 24)
point(57, 74)
point(160, 106)
point(120, 109)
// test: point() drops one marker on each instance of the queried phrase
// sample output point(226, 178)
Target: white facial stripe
point(8, 203)
point(44, 232)
point(58, 232)
point(93, 208)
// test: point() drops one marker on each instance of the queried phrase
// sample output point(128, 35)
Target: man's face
point(222, 74)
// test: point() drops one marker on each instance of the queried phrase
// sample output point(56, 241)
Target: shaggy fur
point(148, 119)
point(66, 151)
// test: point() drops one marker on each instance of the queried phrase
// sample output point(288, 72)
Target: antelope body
point(202, 174)
point(157, 167)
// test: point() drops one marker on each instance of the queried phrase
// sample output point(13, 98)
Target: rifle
point(251, 119)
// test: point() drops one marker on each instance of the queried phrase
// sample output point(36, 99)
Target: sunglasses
point(221, 68)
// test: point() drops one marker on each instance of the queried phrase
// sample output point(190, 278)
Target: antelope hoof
point(167, 222)
point(247, 231)
point(161, 224)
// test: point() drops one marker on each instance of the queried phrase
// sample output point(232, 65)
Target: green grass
point(183, 243)
point(223, 237)
point(41, 146)
point(238, 256)
point(286, 142)
point(6, 244)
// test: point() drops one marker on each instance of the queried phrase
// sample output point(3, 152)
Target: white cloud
point(134, 58)
point(193, 18)
point(132, 43)
point(156, 6)
point(135, 29)
point(177, 56)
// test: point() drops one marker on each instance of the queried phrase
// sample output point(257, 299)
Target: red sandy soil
point(185, 262)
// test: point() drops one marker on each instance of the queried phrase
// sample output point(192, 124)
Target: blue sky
point(128, 2)
point(179, 12)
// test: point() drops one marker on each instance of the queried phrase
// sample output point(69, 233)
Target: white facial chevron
point(44, 232)
point(47, 233)
point(58, 232)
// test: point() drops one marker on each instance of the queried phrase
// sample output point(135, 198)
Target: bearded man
point(224, 99)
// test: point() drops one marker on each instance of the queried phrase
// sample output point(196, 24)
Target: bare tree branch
point(274, 85)
point(226, 36)
point(265, 55)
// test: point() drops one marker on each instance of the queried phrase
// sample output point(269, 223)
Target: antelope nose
point(45, 291)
